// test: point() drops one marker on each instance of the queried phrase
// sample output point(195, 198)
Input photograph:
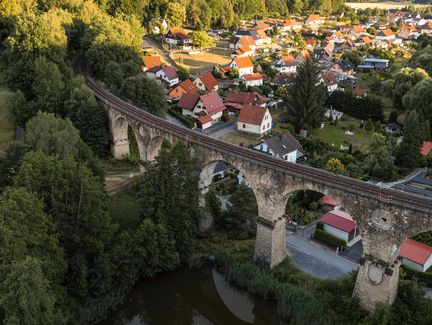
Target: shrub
point(424, 277)
point(329, 239)
point(314, 206)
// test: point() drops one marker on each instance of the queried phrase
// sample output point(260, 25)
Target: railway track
point(390, 196)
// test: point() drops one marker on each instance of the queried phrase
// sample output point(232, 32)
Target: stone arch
point(154, 147)
point(120, 140)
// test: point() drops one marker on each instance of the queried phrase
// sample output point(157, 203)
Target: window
point(244, 126)
point(263, 127)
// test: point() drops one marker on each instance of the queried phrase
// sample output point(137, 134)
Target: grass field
point(335, 135)
point(383, 5)
point(203, 61)
point(7, 129)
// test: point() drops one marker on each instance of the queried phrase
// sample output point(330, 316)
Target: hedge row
point(329, 239)
point(424, 277)
point(185, 120)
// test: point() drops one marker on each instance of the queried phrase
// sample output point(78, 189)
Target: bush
point(314, 206)
point(187, 121)
point(329, 239)
point(424, 277)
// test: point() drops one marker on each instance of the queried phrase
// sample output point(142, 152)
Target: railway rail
point(389, 196)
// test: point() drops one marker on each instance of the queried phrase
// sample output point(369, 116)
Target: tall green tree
point(419, 98)
point(380, 160)
point(10, 161)
point(26, 296)
point(169, 195)
point(409, 150)
point(305, 99)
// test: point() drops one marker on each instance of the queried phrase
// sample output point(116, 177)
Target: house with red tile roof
point(290, 24)
point(242, 52)
point(286, 64)
point(254, 119)
point(244, 65)
point(235, 100)
point(426, 28)
point(198, 106)
point(315, 20)
point(357, 31)
point(341, 225)
point(302, 56)
point(426, 148)
point(260, 37)
point(252, 79)
point(165, 74)
point(327, 203)
point(329, 80)
point(385, 35)
point(185, 87)
point(177, 36)
point(206, 82)
point(187, 103)
point(417, 256)
point(151, 61)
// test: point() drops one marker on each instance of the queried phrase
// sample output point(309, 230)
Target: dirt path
point(148, 41)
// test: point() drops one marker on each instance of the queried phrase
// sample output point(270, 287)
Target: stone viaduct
point(385, 217)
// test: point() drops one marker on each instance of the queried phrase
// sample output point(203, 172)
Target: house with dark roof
point(206, 82)
point(235, 100)
point(329, 80)
point(417, 256)
point(283, 146)
point(254, 119)
point(343, 69)
point(283, 79)
point(177, 36)
point(340, 225)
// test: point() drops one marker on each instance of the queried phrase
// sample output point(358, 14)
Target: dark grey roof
point(420, 183)
point(283, 144)
point(346, 65)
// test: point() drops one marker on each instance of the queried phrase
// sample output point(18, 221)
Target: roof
point(358, 29)
point(205, 119)
point(151, 61)
point(178, 33)
point(314, 18)
point(290, 22)
point(415, 251)
point(252, 76)
point(188, 101)
point(155, 69)
point(327, 200)
point(212, 102)
point(243, 62)
point(339, 219)
point(170, 72)
point(386, 32)
point(189, 87)
point(359, 92)
point(252, 114)
point(289, 60)
point(242, 97)
point(208, 80)
point(243, 50)
point(328, 78)
point(426, 148)
point(283, 144)
point(345, 65)
point(247, 41)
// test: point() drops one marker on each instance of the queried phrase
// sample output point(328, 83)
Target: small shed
point(417, 256)
point(340, 224)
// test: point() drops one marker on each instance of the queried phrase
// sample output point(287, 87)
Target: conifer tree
point(409, 150)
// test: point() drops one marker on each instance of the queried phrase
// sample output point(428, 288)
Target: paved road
point(316, 260)
point(149, 42)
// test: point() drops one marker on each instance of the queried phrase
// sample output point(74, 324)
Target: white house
point(284, 146)
point(167, 74)
point(252, 80)
point(286, 64)
point(254, 119)
point(244, 65)
point(290, 24)
point(385, 35)
point(417, 256)
point(340, 224)
point(315, 20)
point(329, 80)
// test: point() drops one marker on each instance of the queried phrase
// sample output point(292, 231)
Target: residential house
point(244, 65)
point(417, 256)
point(426, 148)
point(151, 61)
point(357, 31)
point(290, 24)
point(254, 119)
point(261, 24)
point(315, 20)
point(286, 64)
point(252, 80)
point(283, 146)
point(187, 103)
point(283, 79)
point(243, 52)
point(426, 29)
point(365, 40)
point(374, 64)
point(325, 54)
point(338, 37)
point(393, 128)
point(206, 82)
point(260, 37)
point(177, 36)
point(329, 80)
point(341, 225)
point(385, 35)
point(408, 32)
point(302, 56)
point(310, 43)
point(345, 29)
point(343, 69)
point(165, 74)
point(235, 100)
point(328, 204)
point(237, 42)
point(159, 26)
point(185, 87)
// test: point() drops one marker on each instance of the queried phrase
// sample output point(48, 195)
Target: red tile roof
point(252, 114)
point(252, 76)
point(205, 119)
point(327, 200)
point(151, 61)
point(178, 33)
point(189, 87)
point(242, 97)
point(170, 72)
point(208, 80)
point(426, 148)
point(247, 41)
point(387, 32)
point(415, 251)
point(243, 62)
point(212, 102)
point(188, 101)
point(340, 220)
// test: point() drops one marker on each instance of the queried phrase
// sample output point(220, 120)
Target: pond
point(197, 296)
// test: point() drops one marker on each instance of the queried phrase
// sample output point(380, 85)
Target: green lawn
point(336, 136)
point(6, 125)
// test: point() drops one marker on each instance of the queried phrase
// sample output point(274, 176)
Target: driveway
point(317, 260)
point(149, 42)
